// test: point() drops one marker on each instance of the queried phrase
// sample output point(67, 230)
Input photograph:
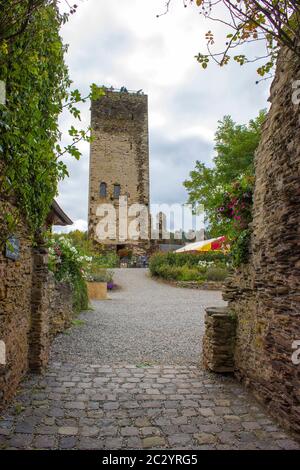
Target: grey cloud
point(102, 50)
point(170, 164)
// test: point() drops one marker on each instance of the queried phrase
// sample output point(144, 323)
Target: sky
point(123, 43)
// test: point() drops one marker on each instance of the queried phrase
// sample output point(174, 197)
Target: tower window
point(103, 189)
point(117, 191)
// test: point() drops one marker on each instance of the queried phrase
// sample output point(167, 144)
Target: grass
point(19, 409)
point(142, 365)
point(78, 322)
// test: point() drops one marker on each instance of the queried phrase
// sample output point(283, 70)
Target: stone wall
point(265, 293)
point(15, 312)
point(61, 307)
point(33, 309)
point(219, 340)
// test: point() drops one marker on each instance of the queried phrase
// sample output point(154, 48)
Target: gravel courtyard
point(145, 321)
point(129, 378)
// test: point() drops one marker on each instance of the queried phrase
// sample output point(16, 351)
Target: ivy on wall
point(37, 90)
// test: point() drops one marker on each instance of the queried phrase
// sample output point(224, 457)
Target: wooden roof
point(57, 216)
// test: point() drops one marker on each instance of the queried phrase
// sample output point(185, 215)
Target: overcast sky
point(122, 43)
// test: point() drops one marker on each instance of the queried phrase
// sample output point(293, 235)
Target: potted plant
point(97, 284)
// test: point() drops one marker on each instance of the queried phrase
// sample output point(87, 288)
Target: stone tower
point(119, 163)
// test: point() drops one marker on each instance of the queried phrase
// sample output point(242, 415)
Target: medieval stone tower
point(119, 162)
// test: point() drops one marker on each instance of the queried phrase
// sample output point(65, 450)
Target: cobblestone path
point(81, 404)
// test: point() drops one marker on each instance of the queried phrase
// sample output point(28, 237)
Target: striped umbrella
point(214, 244)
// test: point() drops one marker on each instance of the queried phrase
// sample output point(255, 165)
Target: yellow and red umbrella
point(214, 244)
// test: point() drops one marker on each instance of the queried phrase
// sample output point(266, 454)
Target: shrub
point(80, 295)
point(68, 265)
point(189, 266)
point(189, 274)
point(216, 274)
point(236, 210)
point(106, 260)
point(186, 259)
point(168, 272)
point(101, 258)
point(99, 275)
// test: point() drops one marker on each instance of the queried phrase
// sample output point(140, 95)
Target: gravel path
point(144, 322)
point(99, 393)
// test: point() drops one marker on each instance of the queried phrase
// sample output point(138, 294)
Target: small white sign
point(2, 353)
point(2, 92)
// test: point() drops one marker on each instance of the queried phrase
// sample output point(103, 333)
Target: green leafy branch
point(37, 90)
point(274, 23)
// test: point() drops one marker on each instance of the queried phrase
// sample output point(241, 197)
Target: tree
point(235, 145)
point(273, 23)
point(37, 90)
point(16, 15)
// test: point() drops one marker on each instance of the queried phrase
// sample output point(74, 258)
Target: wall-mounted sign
point(12, 250)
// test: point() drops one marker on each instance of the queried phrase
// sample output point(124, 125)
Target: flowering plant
point(205, 264)
point(236, 211)
point(65, 261)
point(69, 265)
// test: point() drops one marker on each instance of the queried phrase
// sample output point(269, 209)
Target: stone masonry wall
point(119, 155)
point(219, 340)
point(15, 313)
point(61, 307)
point(265, 293)
point(33, 309)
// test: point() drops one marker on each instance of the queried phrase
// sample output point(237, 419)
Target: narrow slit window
point(117, 191)
point(103, 189)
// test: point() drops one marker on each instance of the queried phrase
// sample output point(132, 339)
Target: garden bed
point(196, 271)
point(201, 285)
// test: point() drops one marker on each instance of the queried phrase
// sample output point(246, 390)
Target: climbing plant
point(16, 15)
point(37, 90)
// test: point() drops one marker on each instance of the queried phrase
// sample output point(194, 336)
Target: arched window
point(103, 189)
point(117, 191)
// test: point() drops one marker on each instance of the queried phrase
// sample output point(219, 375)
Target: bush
point(99, 275)
point(216, 274)
point(106, 260)
point(190, 259)
point(68, 265)
point(189, 274)
point(168, 272)
point(80, 295)
point(186, 259)
point(189, 266)
point(101, 258)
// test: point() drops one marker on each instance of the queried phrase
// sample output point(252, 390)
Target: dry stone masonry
point(265, 293)
point(33, 309)
point(15, 313)
point(219, 340)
